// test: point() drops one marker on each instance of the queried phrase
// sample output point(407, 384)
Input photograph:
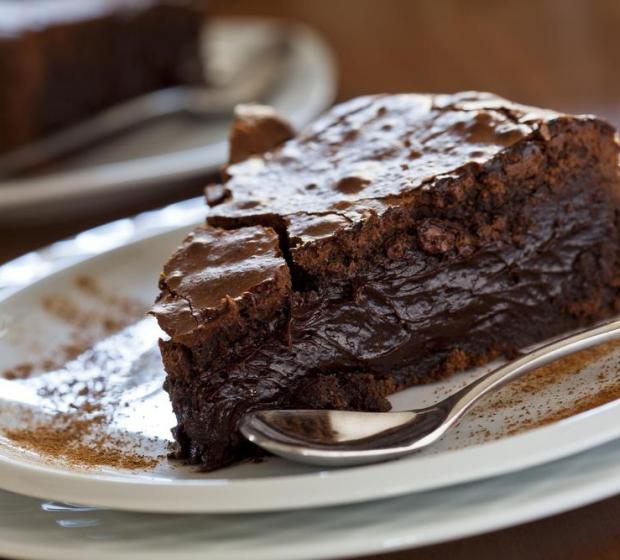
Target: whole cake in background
point(395, 241)
point(65, 60)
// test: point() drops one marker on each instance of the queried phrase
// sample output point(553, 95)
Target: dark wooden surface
point(559, 53)
point(589, 533)
point(563, 54)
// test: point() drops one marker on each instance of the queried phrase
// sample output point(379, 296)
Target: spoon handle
point(461, 401)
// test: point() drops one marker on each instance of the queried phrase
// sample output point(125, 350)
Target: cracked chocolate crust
point(438, 232)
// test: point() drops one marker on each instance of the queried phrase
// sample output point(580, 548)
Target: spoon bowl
point(339, 437)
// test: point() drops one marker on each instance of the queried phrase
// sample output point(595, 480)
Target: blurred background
point(80, 78)
point(562, 54)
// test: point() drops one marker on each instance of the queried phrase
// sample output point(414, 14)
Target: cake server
point(343, 438)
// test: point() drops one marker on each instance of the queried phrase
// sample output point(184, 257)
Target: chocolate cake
point(397, 240)
point(64, 60)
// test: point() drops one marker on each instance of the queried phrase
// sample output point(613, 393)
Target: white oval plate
point(163, 154)
point(35, 529)
point(131, 269)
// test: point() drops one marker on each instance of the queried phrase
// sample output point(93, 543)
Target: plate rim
point(98, 489)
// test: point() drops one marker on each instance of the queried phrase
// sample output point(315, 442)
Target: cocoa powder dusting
point(87, 325)
point(582, 404)
point(77, 440)
point(20, 371)
point(575, 399)
point(81, 433)
point(79, 437)
point(552, 374)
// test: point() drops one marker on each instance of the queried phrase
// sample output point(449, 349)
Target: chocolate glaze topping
point(214, 270)
point(360, 155)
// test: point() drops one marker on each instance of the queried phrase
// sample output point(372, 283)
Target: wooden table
point(556, 53)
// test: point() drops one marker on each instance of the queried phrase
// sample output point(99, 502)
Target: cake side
point(432, 276)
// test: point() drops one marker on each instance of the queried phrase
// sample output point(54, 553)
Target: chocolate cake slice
point(397, 240)
point(62, 61)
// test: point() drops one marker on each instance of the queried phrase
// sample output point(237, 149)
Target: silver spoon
point(342, 438)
